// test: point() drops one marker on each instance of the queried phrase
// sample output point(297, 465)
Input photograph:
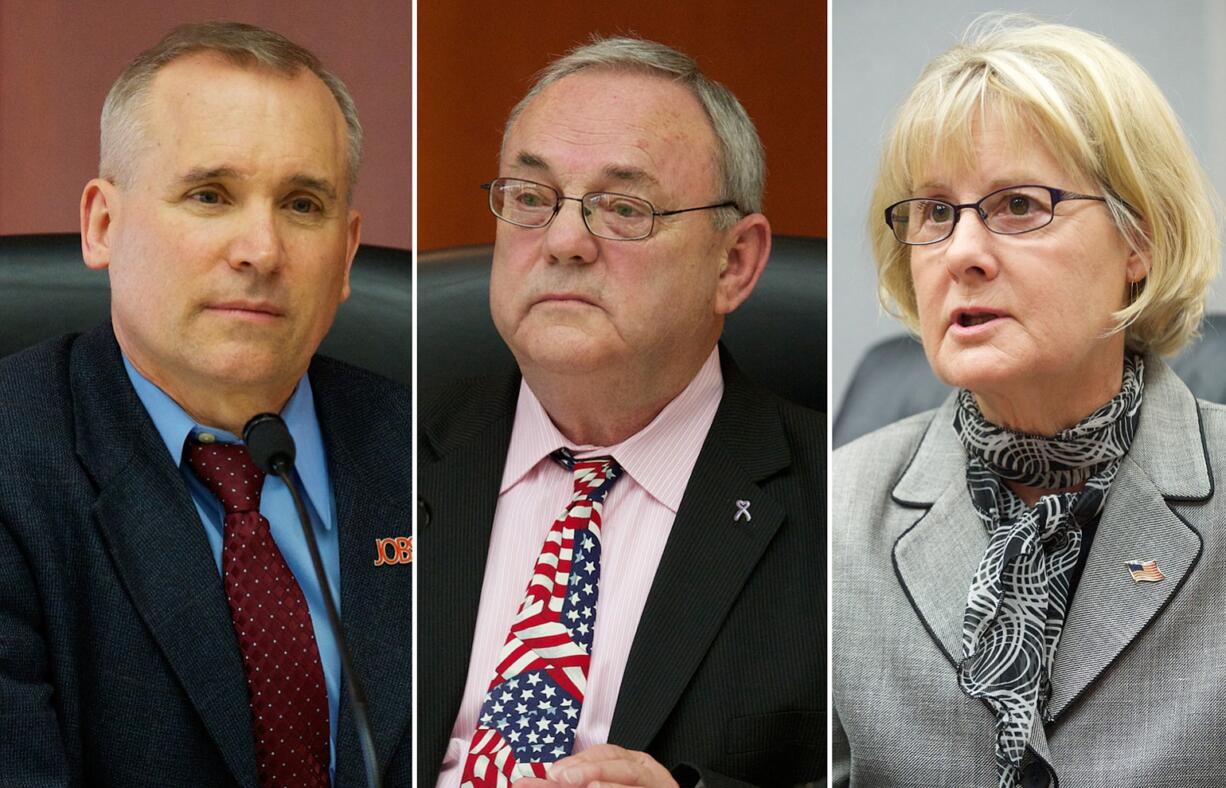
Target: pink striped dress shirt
point(638, 516)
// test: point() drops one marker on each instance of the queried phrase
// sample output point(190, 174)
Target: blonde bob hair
point(1103, 119)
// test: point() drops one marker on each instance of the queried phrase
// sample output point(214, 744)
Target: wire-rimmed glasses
point(609, 215)
point(1009, 211)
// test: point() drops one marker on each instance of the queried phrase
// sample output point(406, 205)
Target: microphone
point(270, 444)
point(272, 448)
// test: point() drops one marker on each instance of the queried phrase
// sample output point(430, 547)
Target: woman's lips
point(974, 321)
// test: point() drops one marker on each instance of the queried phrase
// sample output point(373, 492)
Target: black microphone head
point(270, 444)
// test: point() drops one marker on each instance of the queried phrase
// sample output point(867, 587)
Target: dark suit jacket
point(118, 662)
point(726, 675)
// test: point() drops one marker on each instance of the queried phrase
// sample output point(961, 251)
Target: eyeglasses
point(1009, 211)
point(615, 217)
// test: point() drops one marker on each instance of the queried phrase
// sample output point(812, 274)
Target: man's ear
point(99, 205)
point(748, 247)
point(353, 238)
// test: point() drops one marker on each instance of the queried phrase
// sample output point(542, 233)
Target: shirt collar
point(660, 457)
point(174, 425)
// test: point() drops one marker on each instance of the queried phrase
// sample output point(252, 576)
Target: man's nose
point(258, 241)
point(567, 238)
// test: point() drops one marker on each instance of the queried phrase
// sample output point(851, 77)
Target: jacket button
point(423, 512)
point(1035, 776)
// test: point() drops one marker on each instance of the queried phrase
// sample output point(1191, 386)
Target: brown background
point(58, 58)
point(476, 59)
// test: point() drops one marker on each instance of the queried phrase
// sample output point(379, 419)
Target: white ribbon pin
point(742, 508)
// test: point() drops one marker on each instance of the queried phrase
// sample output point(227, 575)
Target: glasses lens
point(618, 217)
point(524, 203)
point(1018, 209)
point(922, 221)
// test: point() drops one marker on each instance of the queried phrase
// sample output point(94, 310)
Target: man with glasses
point(670, 627)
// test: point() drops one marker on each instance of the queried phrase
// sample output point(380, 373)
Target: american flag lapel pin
point(1144, 571)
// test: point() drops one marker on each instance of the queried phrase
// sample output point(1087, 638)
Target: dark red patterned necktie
point(289, 701)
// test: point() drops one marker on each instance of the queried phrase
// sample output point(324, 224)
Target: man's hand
point(605, 766)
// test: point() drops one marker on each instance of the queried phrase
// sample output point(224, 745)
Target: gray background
point(880, 46)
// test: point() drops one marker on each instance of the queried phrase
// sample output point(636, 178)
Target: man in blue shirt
point(152, 630)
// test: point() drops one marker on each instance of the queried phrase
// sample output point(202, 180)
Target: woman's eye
point(939, 212)
point(1019, 205)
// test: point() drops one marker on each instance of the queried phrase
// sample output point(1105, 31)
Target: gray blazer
point(1139, 681)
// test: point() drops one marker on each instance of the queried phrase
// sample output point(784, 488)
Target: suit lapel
point(153, 533)
point(370, 477)
point(1109, 609)
point(708, 557)
point(935, 560)
point(458, 492)
point(937, 555)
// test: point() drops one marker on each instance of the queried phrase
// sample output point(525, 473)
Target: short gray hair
point(740, 159)
point(240, 44)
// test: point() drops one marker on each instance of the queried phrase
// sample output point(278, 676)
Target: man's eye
point(304, 205)
point(627, 210)
point(529, 199)
point(206, 197)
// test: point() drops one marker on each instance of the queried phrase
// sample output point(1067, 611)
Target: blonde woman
point(1028, 582)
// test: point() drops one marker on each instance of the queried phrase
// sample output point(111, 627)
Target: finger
point(595, 753)
point(622, 769)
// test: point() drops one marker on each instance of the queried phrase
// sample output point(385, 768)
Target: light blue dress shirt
point(311, 467)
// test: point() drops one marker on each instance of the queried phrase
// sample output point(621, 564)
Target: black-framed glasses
point(1009, 211)
point(609, 215)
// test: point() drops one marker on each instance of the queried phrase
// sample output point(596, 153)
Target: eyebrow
point(633, 175)
point(321, 185)
point(994, 185)
point(299, 180)
point(200, 174)
point(622, 173)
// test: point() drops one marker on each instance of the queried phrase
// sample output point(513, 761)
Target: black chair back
point(778, 337)
point(894, 381)
point(45, 291)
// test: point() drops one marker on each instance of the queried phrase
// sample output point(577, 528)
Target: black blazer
point(726, 675)
point(118, 662)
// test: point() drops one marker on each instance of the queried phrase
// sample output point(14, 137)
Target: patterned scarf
point(1016, 605)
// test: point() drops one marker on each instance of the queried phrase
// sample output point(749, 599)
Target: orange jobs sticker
point(394, 550)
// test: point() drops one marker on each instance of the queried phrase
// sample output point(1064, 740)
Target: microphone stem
point(357, 698)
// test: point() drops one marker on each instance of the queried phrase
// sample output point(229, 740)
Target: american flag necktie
point(285, 678)
point(532, 706)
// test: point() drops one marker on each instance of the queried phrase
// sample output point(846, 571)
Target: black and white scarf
point(1016, 605)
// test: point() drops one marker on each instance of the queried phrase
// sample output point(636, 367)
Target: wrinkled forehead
point(605, 118)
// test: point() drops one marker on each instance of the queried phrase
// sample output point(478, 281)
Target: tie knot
point(229, 472)
point(593, 476)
